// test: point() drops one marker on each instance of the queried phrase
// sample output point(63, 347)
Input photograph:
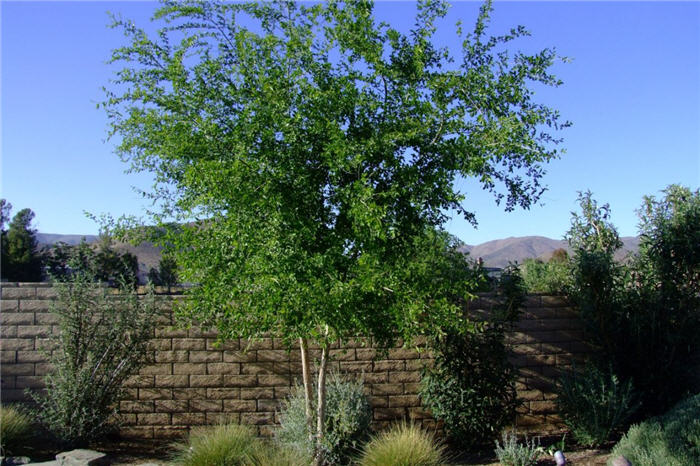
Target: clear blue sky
point(632, 93)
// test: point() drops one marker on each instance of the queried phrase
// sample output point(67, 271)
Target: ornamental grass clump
point(403, 445)
point(15, 429)
point(232, 445)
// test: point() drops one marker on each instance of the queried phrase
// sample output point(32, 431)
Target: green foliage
point(596, 275)
point(114, 267)
point(15, 429)
point(102, 341)
point(230, 445)
point(472, 384)
point(513, 453)
point(348, 417)
point(305, 160)
point(106, 264)
point(645, 316)
point(594, 403)
point(403, 445)
point(663, 300)
point(321, 149)
point(5, 210)
point(557, 446)
point(552, 277)
point(21, 260)
point(472, 387)
point(672, 439)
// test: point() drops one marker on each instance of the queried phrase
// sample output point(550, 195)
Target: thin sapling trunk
point(308, 388)
point(321, 411)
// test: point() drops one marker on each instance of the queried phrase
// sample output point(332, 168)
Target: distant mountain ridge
point(52, 238)
point(496, 253)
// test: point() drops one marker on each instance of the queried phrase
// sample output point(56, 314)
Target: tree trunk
point(308, 388)
point(321, 408)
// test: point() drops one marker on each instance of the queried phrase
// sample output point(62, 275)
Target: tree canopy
point(21, 260)
point(102, 264)
point(306, 157)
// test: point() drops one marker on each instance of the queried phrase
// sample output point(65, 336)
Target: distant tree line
point(23, 261)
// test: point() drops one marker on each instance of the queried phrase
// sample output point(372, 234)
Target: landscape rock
point(559, 458)
point(82, 458)
point(14, 460)
point(621, 461)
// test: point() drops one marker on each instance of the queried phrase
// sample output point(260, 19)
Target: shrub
point(672, 439)
point(102, 341)
point(644, 316)
point(471, 386)
point(513, 453)
point(551, 277)
point(347, 420)
point(593, 403)
point(403, 445)
point(15, 429)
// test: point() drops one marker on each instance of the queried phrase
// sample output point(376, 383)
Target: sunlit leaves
point(310, 154)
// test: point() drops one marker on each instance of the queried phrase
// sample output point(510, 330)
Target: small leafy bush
point(594, 403)
point(348, 417)
point(403, 445)
point(102, 341)
point(672, 439)
point(513, 453)
point(15, 429)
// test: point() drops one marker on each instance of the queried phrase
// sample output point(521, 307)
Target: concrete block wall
point(194, 381)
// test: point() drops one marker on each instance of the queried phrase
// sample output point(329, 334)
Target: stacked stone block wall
point(195, 381)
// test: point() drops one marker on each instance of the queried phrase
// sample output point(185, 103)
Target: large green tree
point(5, 209)
point(310, 156)
point(21, 258)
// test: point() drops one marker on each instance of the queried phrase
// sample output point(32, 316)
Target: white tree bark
point(308, 387)
point(321, 411)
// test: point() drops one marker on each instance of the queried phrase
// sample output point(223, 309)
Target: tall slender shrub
point(102, 341)
point(471, 387)
point(643, 317)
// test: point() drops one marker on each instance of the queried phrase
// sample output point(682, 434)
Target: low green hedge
point(672, 439)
